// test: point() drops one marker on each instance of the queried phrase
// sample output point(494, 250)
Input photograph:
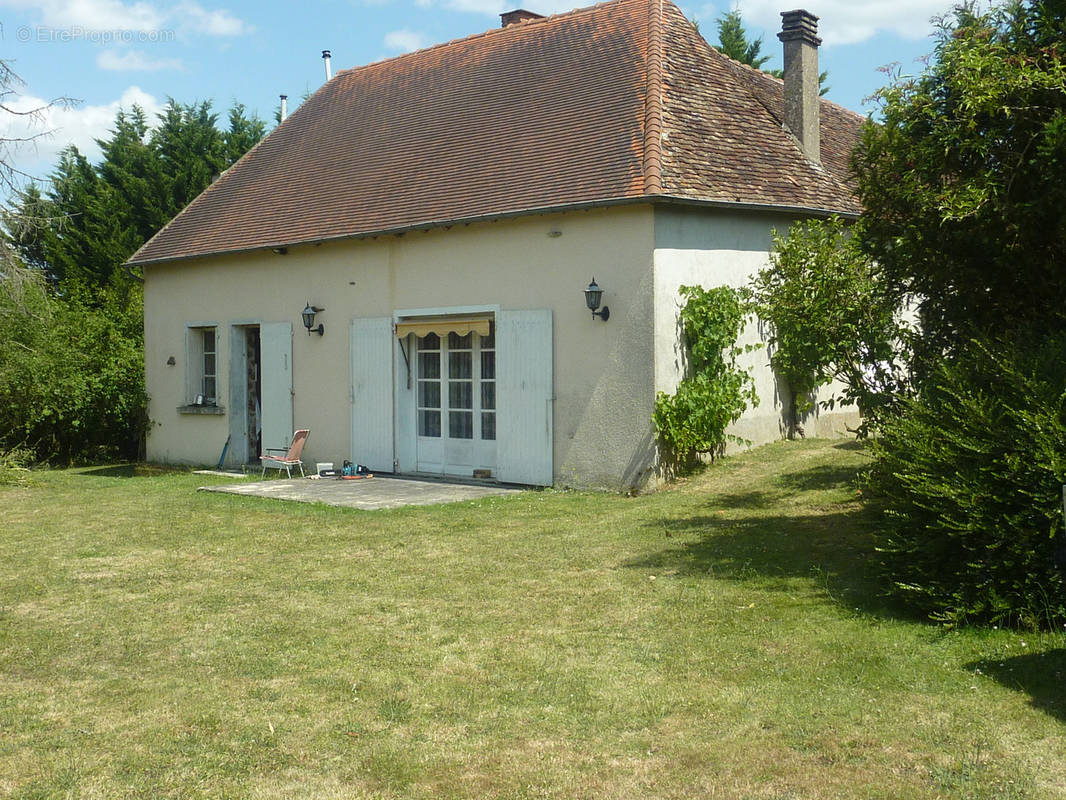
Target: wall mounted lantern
point(309, 320)
point(593, 294)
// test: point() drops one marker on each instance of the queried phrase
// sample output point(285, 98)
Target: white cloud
point(80, 126)
point(97, 15)
point(848, 22)
point(404, 41)
point(214, 23)
point(115, 15)
point(134, 61)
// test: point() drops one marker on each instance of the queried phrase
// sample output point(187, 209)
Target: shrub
point(715, 392)
point(14, 466)
point(71, 374)
point(830, 318)
point(970, 479)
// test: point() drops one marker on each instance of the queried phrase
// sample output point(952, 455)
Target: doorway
point(455, 404)
point(253, 409)
point(246, 391)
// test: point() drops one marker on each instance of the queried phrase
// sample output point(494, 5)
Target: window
point(208, 383)
point(429, 386)
point(202, 376)
point(456, 392)
point(488, 386)
point(460, 386)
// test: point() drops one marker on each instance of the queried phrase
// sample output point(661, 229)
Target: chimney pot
point(329, 67)
point(799, 34)
point(518, 15)
point(284, 106)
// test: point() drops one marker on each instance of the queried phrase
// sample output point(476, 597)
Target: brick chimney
point(799, 33)
point(516, 16)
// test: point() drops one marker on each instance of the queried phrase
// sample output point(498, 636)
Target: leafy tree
point(964, 181)
point(71, 319)
point(830, 319)
point(71, 375)
point(964, 186)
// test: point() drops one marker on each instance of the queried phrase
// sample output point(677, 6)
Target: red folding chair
point(290, 459)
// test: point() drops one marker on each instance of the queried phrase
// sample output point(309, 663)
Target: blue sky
point(108, 54)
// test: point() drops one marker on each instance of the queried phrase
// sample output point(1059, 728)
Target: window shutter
point(372, 386)
point(275, 345)
point(524, 399)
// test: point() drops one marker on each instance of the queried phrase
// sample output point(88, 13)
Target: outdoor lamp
point(593, 293)
point(309, 320)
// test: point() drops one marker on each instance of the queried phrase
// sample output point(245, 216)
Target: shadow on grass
point(852, 445)
point(1040, 675)
point(776, 532)
point(833, 548)
point(826, 476)
point(130, 471)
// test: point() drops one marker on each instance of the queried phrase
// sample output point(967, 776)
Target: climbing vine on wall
point(715, 392)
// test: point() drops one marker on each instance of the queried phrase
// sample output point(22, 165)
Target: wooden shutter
point(524, 396)
point(275, 345)
point(372, 401)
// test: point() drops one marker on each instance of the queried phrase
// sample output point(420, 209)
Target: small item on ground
point(350, 471)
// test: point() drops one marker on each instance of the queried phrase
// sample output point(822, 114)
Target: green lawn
point(718, 639)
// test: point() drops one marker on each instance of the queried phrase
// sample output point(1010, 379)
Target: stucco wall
point(602, 371)
point(705, 248)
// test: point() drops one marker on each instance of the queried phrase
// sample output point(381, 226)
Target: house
point(440, 214)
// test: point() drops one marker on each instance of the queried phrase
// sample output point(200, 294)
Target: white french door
point(455, 402)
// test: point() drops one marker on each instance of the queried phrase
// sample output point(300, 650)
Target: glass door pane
point(460, 386)
point(488, 386)
point(429, 397)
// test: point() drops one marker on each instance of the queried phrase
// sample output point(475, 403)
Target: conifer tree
point(733, 40)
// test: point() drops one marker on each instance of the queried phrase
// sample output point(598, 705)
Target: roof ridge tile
point(653, 102)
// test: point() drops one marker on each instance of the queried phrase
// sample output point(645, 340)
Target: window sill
point(214, 410)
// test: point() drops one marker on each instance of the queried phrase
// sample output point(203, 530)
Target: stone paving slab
point(368, 493)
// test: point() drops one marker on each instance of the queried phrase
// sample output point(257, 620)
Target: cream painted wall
point(602, 371)
point(716, 248)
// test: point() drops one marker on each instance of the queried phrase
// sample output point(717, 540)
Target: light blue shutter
point(372, 402)
point(275, 354)
point(524, 396)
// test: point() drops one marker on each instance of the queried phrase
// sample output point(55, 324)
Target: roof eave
point(649, 199)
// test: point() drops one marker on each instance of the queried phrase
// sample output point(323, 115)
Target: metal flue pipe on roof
point(284, 106)
point(329, 67)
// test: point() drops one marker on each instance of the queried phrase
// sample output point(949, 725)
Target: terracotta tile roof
point(612, 103)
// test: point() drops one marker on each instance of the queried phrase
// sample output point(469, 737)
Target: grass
point(718, 639)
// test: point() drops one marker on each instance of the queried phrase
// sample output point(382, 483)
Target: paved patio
point(368, 493)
